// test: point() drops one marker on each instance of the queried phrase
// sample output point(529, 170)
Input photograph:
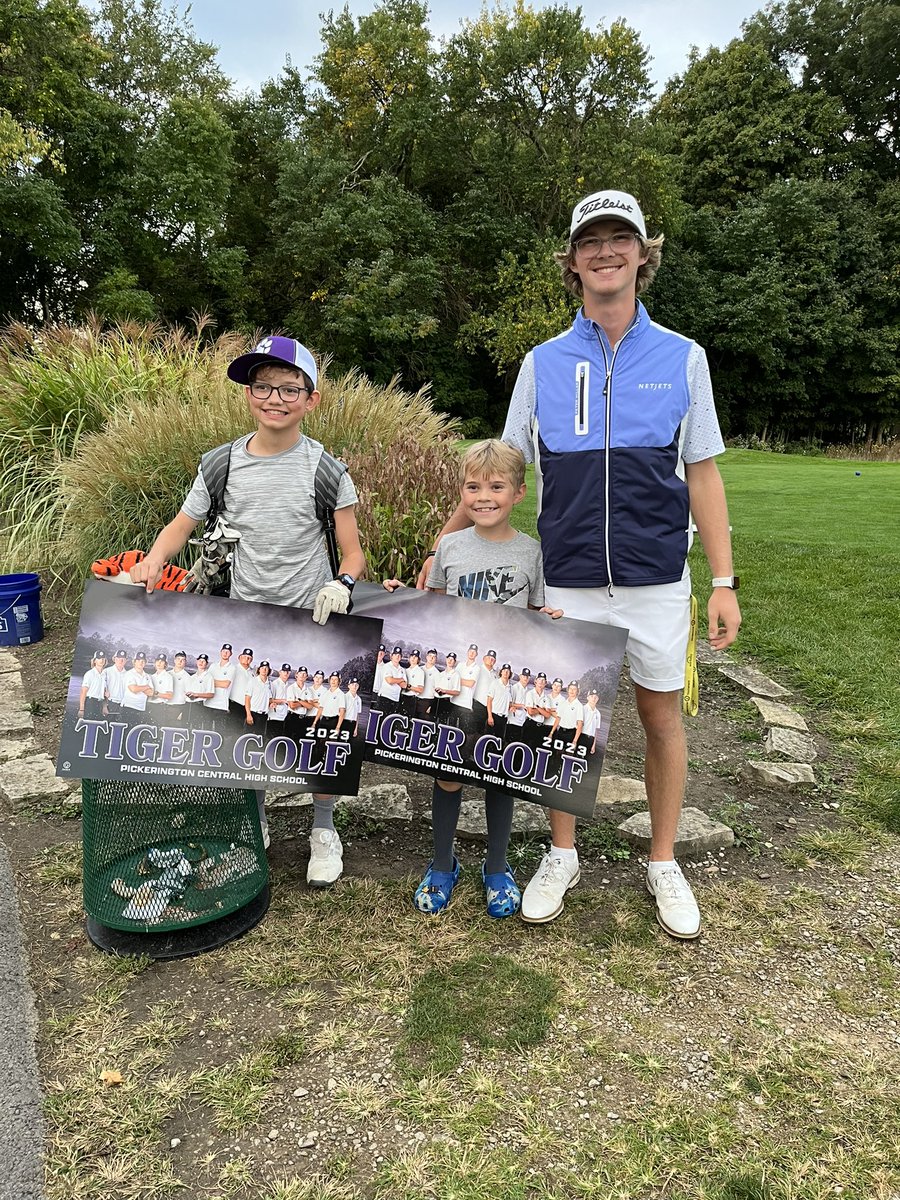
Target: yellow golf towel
point(690, 699)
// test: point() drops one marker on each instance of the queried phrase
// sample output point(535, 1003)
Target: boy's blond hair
point(490, 459)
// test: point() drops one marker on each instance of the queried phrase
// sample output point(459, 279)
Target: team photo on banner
point(492, 695)
point(181, 688)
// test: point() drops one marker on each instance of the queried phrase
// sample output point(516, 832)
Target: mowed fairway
point(817, 543)
point(817, 547)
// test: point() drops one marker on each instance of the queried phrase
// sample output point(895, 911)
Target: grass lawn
point(349, 1049)
point(817, 546)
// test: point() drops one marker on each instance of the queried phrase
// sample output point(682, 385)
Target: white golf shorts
point(658, 620)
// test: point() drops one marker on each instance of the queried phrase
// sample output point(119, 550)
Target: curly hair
point(652, 247)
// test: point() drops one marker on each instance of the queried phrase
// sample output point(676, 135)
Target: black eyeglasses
point(288, 392)
point(619, 243)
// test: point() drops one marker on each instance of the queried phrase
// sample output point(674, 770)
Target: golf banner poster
point(180, 688)
point(538, 731)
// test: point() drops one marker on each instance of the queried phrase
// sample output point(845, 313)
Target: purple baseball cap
point(284, 350)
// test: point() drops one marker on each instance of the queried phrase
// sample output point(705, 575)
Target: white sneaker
point(543, 899)
point(326, 858)
point(676, 908)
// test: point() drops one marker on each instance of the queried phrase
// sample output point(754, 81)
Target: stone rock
point(697, 833)
point(779, 775)
point(12, 749)
point(14, 714)
point(774, 713)
point(8, 662)
point(754, 681)
point(706, 655)
point(619, 789)
point(387, 801)
point(527, 818)
point(277, 798)
point(24, 779)
point(791, 744)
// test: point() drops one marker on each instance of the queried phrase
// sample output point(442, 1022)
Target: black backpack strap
point(214, 467)
point(328, 480)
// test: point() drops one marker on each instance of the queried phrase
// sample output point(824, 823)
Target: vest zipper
point(609, 365)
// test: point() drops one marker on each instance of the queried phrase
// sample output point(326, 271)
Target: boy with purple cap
point(269, 499)
point(617, 415)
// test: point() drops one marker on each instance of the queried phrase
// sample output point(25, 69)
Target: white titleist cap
point(604, 205)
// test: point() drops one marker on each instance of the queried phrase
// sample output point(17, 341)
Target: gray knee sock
point(498, 809)
point(323, 813)
point(444, 818)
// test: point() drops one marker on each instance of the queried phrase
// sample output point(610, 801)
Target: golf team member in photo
point(93, 688)
point(623, 471)
point(138, 690)
point(201, 688)
point(114, 685)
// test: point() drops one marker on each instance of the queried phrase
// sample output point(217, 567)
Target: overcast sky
point(253, 39)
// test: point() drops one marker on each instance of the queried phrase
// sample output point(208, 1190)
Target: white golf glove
point(333, 597)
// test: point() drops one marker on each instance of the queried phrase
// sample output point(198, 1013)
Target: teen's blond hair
point(652, 247)
point(491, 459)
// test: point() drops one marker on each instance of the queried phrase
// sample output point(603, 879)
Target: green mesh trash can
point(170, 870)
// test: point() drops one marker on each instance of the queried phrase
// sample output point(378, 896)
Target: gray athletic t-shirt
point(281, 557)
point(470, 566)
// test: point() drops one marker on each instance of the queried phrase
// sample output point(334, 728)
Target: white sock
point(656, 868)
point(570, 854)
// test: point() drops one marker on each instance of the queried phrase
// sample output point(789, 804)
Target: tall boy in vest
point(623, 469)
point(270, 500)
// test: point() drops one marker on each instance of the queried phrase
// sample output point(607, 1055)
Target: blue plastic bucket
point(20, 610)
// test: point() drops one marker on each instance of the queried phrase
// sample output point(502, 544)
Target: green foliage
point(603, 839)
point(737, 122)
point(848, 50)
point(101, 433)
point(741, 818)
point(399, 207)
point(529, 306)
point(798, 348)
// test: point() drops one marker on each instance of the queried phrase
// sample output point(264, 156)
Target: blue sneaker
point(503, 896)
point(434, 892)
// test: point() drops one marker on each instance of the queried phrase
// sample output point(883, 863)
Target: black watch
point(347, 580)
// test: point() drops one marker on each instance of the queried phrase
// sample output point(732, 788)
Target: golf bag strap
point(215, 465)
point(328, 482)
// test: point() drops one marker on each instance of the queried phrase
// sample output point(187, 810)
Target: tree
point(735, 122)
point(848, 50)
point(778, 293)
point(376, 97)
point(41, 96)
point(359, 257)
point(539, 104)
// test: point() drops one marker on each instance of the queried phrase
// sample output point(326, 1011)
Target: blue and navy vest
point(613, 506)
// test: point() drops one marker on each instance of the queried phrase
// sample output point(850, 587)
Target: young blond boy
point(270, 500)
point(489, 561)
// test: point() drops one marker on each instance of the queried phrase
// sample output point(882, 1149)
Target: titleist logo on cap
point(590, 206)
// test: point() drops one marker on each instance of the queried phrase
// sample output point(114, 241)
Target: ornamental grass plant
point(101, 433)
